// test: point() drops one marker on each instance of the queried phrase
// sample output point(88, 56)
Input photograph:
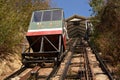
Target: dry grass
point(9, 65)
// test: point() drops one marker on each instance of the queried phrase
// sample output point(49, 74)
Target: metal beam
point(51, 43)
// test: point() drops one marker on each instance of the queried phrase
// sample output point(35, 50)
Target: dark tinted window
point(47, 16)
point(57, 15)
point(37, 16)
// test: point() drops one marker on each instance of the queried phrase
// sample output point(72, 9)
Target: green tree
point(14, 20)
point(108, 29)
point(97, 6)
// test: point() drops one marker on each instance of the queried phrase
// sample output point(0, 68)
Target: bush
point(14, 20)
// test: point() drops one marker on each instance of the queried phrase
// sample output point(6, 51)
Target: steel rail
point(86, 65)
point(56, 67)
point(15, 73)
point(62, 77)
point(100, 60)
point(53, 71)
point(89, 72)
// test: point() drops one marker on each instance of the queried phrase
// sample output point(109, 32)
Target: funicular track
point(43, 71)
point(101, 63)
point(39, 72)
point(75, 64)
point(80, 64)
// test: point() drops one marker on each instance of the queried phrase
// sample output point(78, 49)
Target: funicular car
point(46, 37)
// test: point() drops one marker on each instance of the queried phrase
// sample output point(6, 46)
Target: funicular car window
point(37, 16)
point(47, 16)
point(57, 15)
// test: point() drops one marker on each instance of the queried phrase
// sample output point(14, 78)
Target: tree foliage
point(97, 6)
point(14, 20)
point(108, 29)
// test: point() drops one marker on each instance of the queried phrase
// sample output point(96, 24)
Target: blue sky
point(72, 7)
